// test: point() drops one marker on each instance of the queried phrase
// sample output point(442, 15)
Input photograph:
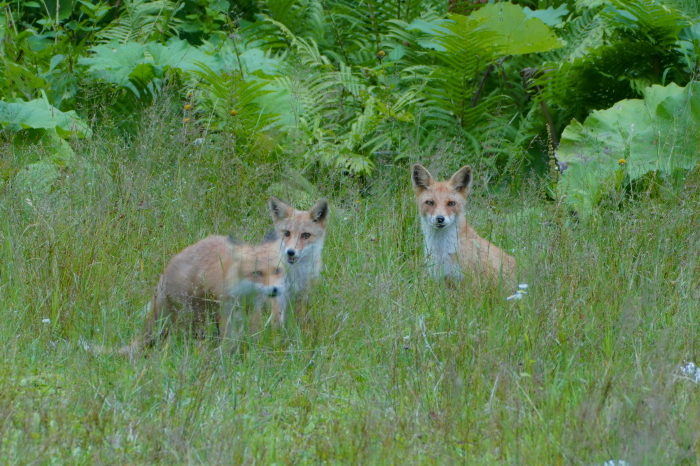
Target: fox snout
point(292, 255)
point(273, 291)
point(440, 220)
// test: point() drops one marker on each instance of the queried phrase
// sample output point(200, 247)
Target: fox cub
point(301, 234)
point(210, 278)
point(451, 245)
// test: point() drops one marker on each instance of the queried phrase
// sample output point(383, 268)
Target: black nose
point(275, 291)
point(440, 219)
point(291, 252)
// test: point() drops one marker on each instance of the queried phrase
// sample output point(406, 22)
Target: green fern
point(142, 21)
point(631, 45)
point(227, 95)
point(304, 18)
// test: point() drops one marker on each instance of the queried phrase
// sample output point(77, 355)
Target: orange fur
point(451, 245)
point(301, 234)
point(210, 277)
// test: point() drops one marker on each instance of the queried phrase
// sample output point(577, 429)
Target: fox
point(301, 235)
point(451, 245)
point(211, 278)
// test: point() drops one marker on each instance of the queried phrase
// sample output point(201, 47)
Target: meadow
point(388, 366)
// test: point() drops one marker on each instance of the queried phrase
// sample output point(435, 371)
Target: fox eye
point(429, 202)
point(451, 203)
point(257, 274)
point(305, 235)
point(286, 233)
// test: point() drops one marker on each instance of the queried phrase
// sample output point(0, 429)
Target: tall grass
point(387, 367)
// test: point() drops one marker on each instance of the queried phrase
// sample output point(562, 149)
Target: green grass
point(389, 367)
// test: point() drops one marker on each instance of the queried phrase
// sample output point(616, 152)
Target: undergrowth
point(387, 367)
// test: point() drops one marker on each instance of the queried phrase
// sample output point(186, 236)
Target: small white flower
point(691, 371)
point(518, 295)
point(46, 321)
point(82, 342)
point(198, 141)
point(523, 286)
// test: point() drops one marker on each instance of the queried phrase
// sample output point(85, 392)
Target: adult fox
point(451, 245)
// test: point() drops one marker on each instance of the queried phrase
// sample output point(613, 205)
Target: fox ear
point(462, 179)
point(421, 177)
point(278, 209)
point(319, 212)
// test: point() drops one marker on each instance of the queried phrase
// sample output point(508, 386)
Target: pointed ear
point(319, 212)
point(421, 178)
point(279, 209)
point(462, 179)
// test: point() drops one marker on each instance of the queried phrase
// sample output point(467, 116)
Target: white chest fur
point(305, 270)
point(441, 250)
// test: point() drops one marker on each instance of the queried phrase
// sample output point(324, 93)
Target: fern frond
point(235, 102)
point(141, 21)
point(634, 46)
point(304, 18)
point(306, 49)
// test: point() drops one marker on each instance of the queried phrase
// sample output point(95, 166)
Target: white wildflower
point(691, 371)
point(519, 293)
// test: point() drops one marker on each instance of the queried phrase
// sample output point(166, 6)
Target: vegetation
point(134, 128)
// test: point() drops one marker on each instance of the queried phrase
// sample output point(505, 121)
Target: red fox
point(211, 277)
point(451, 245)
point(301, 234)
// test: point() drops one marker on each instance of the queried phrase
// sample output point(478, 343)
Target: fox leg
point(231, 324)
point(301, 307)
point(160, 310)
point(279, 309)
point(256, 320)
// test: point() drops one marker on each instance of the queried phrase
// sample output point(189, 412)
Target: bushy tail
point(150, 333)
point(94, 349)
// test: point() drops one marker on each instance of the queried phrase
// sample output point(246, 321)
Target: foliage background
point(133, 128)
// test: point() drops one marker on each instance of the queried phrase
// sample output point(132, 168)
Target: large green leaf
point(38, 113)
point(114, 63)
point(518, 32)
point(54, 155)
point(134, 65)
point(550, 16)
point(180, 55)
point(660, 133)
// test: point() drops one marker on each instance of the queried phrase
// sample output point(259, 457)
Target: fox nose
point(291, 252)
point(275, 291)
point(440, 219)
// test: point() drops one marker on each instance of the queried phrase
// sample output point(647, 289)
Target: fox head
point(301, 232)
point(440, 203)
point(262, 271)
